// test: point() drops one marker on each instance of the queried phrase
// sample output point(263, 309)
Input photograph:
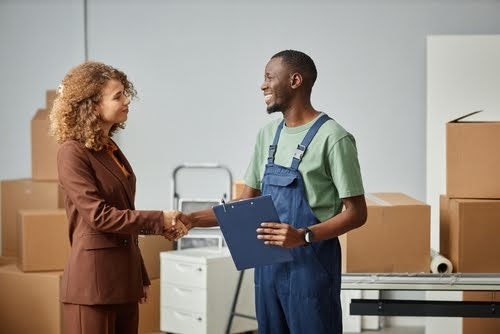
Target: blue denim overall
point(302, 296)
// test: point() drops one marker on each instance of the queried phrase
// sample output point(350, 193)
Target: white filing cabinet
point(197, 291)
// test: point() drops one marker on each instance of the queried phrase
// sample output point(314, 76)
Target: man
point(308, 163)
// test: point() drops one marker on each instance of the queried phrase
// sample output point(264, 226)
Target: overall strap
point(301, 148)
point(272, 148)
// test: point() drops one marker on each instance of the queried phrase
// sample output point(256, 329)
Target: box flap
point(42, 212)
point(474, 200)
point(456, 120)
point(50, 97)
point(12, 269)
point(6, 260)
point(391, 199)
point(373, 200)
point(41, 114)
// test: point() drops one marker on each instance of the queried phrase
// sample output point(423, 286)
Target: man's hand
point(184, 219)
point(280, 234)
point(176, 224)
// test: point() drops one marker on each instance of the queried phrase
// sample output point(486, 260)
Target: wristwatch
point(308, 236)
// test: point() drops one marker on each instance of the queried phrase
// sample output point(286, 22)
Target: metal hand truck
point(200, 237)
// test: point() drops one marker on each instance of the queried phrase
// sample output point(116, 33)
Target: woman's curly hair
point(73, 115)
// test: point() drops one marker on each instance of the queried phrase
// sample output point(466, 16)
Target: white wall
point(39, 41)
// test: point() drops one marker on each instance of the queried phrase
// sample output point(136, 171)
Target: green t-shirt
point(329, 167)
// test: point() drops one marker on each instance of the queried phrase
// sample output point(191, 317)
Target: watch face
point(308, 236)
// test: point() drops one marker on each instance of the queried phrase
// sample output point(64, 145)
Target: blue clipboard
point(239, 221)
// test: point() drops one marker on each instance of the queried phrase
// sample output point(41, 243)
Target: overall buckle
point(299, 152)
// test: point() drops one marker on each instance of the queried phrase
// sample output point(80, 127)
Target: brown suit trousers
point(101, 319)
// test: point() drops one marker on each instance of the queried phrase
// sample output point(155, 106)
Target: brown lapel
point(131, 179)
point(111, 165)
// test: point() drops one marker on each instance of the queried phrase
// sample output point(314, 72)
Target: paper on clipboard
point(239, 221)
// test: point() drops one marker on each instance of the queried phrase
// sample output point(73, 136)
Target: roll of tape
point(440, 264)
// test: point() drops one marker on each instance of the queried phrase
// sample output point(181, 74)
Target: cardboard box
point(24, 194)
point(238, 186)
point(4, 260)
point(395, 238)
point(30, 301)
point(472, 159)
point(151, 246)
point(469, 230)
point(149, 313)
point(481, 325)
point(43, 148)
point(43, 241)
point(50, 96)
point(36, 296)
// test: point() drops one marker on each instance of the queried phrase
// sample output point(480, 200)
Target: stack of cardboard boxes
point(470, 210)
point(35, 245)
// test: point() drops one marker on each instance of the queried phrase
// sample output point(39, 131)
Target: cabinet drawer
point(178, 321)
point(184, 298)
point(184, 273)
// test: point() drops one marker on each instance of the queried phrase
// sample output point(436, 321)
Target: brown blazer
point(105, 265)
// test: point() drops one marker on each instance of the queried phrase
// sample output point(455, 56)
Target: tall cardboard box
point(472, 159)
point(43, 242)
point(481, 325)
point(238, 186)
point(469, 230)
point(24, 194)
point(149, 313)
point(43, 148)
point(29, 302)
point(394, 239)
point(151, 246)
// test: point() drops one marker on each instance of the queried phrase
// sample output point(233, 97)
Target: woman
point(105, 277)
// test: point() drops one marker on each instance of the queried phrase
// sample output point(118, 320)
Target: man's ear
point(296, 80)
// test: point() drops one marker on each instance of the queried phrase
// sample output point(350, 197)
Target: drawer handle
point(187, 267)
point(184, 316)
point(183, 291)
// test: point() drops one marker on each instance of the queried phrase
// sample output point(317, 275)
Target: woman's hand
point(145, 299)
point(176, 224)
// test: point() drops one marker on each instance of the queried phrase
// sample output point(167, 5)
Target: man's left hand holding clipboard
point(240, 221)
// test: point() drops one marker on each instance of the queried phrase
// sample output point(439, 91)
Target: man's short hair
point(300, 62)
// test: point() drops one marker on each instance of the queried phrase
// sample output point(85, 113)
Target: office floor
point(393, 330)
point(398, 330)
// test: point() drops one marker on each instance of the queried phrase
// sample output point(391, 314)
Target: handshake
point(175, 225)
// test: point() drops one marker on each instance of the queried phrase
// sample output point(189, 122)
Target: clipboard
point(239, 221)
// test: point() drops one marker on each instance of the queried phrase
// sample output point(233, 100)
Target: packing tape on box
point(377, 200)
point(440, 264)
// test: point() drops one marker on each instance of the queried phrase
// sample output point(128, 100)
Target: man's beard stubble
point(275, 108)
